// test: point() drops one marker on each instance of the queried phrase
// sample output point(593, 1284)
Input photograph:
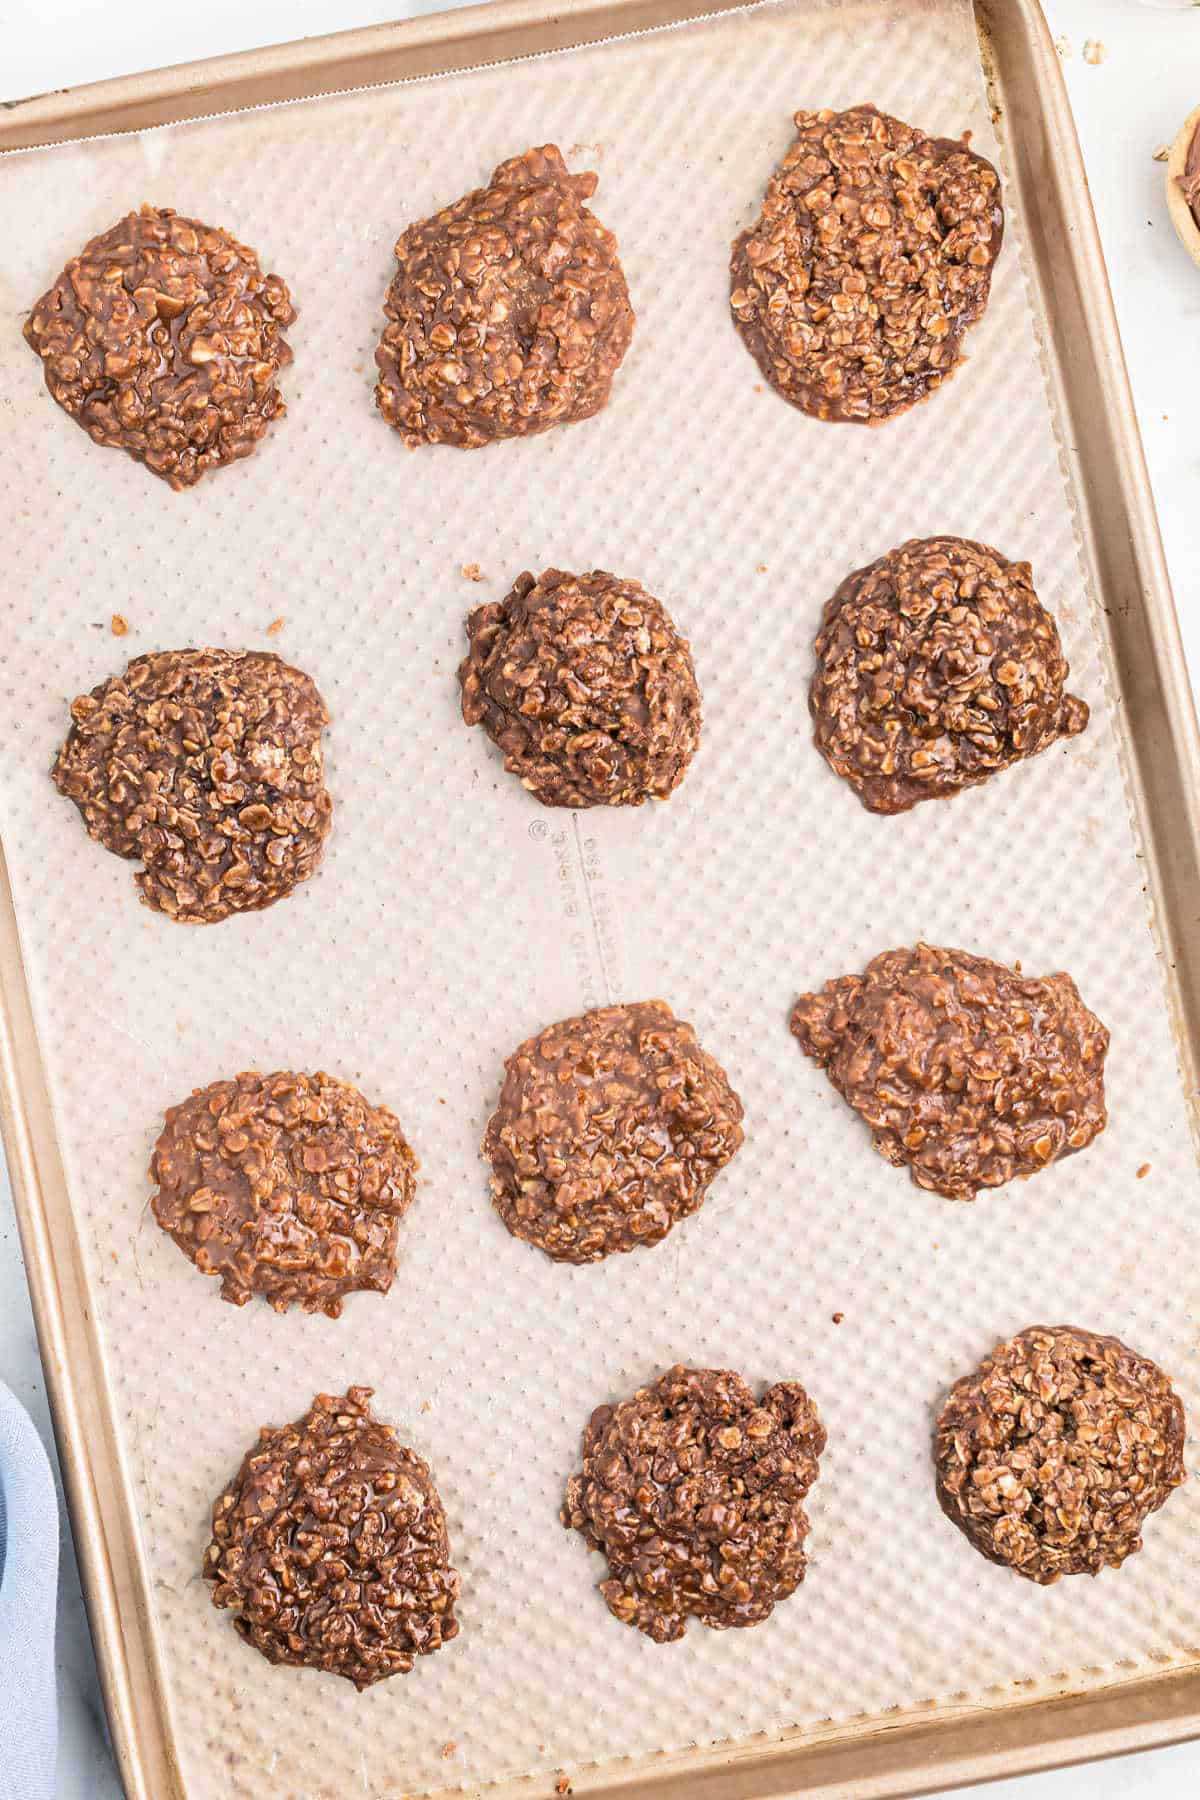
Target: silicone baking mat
point(453, 916)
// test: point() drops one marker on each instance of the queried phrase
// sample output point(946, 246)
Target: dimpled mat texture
point(453, 917)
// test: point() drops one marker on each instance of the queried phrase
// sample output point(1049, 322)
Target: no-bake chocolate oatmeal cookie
point(330, 1544)
point(966, 1071)
point(937, 665)
point(609, 1129)
point(508, 312)
point(694, 1491)
point(586, 686)
point(871, 256)
point(289, 1186)
point(164, 338)
point(1051, 1455)
point(206, 766)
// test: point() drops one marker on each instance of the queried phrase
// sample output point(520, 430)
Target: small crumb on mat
point(119, 625)
point(276, 626)
point(1143, 1171)
point(1163, 153)
point(838, 1317)
point(450, 1748)
point(762, 568)
point(1094, 51)
point(471, 572)
point(563, 1785)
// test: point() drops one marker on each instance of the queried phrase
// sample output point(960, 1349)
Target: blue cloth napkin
point(28, 1592)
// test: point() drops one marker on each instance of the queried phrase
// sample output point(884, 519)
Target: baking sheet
point(454, 916)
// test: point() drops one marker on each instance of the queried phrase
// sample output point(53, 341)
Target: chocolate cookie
point(964, 1069)
point(1189, 180)
point(290, 1186)
point(164, 338)
point(1053, 1453)
point(609, 1130)
point(508, 312)
point(331, 1545)
point(587, 688)
point(694, 1490)
point(871, 256)
point(207, 766)
point(937, 665)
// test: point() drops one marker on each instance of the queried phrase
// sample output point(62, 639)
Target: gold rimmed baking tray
point(760, 877)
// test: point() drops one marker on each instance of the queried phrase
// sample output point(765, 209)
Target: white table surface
point(1127, 104)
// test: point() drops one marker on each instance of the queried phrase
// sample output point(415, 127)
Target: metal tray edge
point(1122, 542)
point(870, 1759)
point(103, 1515)
point(374, 55)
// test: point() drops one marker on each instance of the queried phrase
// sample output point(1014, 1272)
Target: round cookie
point(164, 338)
point(289, 1186)
point(694, 1491)
point(937, 665)
point(1050, 1457)
point(966, 1071)
point(609, 1129)
point(586, 686)
point(330, 1544)
point(207, 766)
point(508, 312)
point(872, 254)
